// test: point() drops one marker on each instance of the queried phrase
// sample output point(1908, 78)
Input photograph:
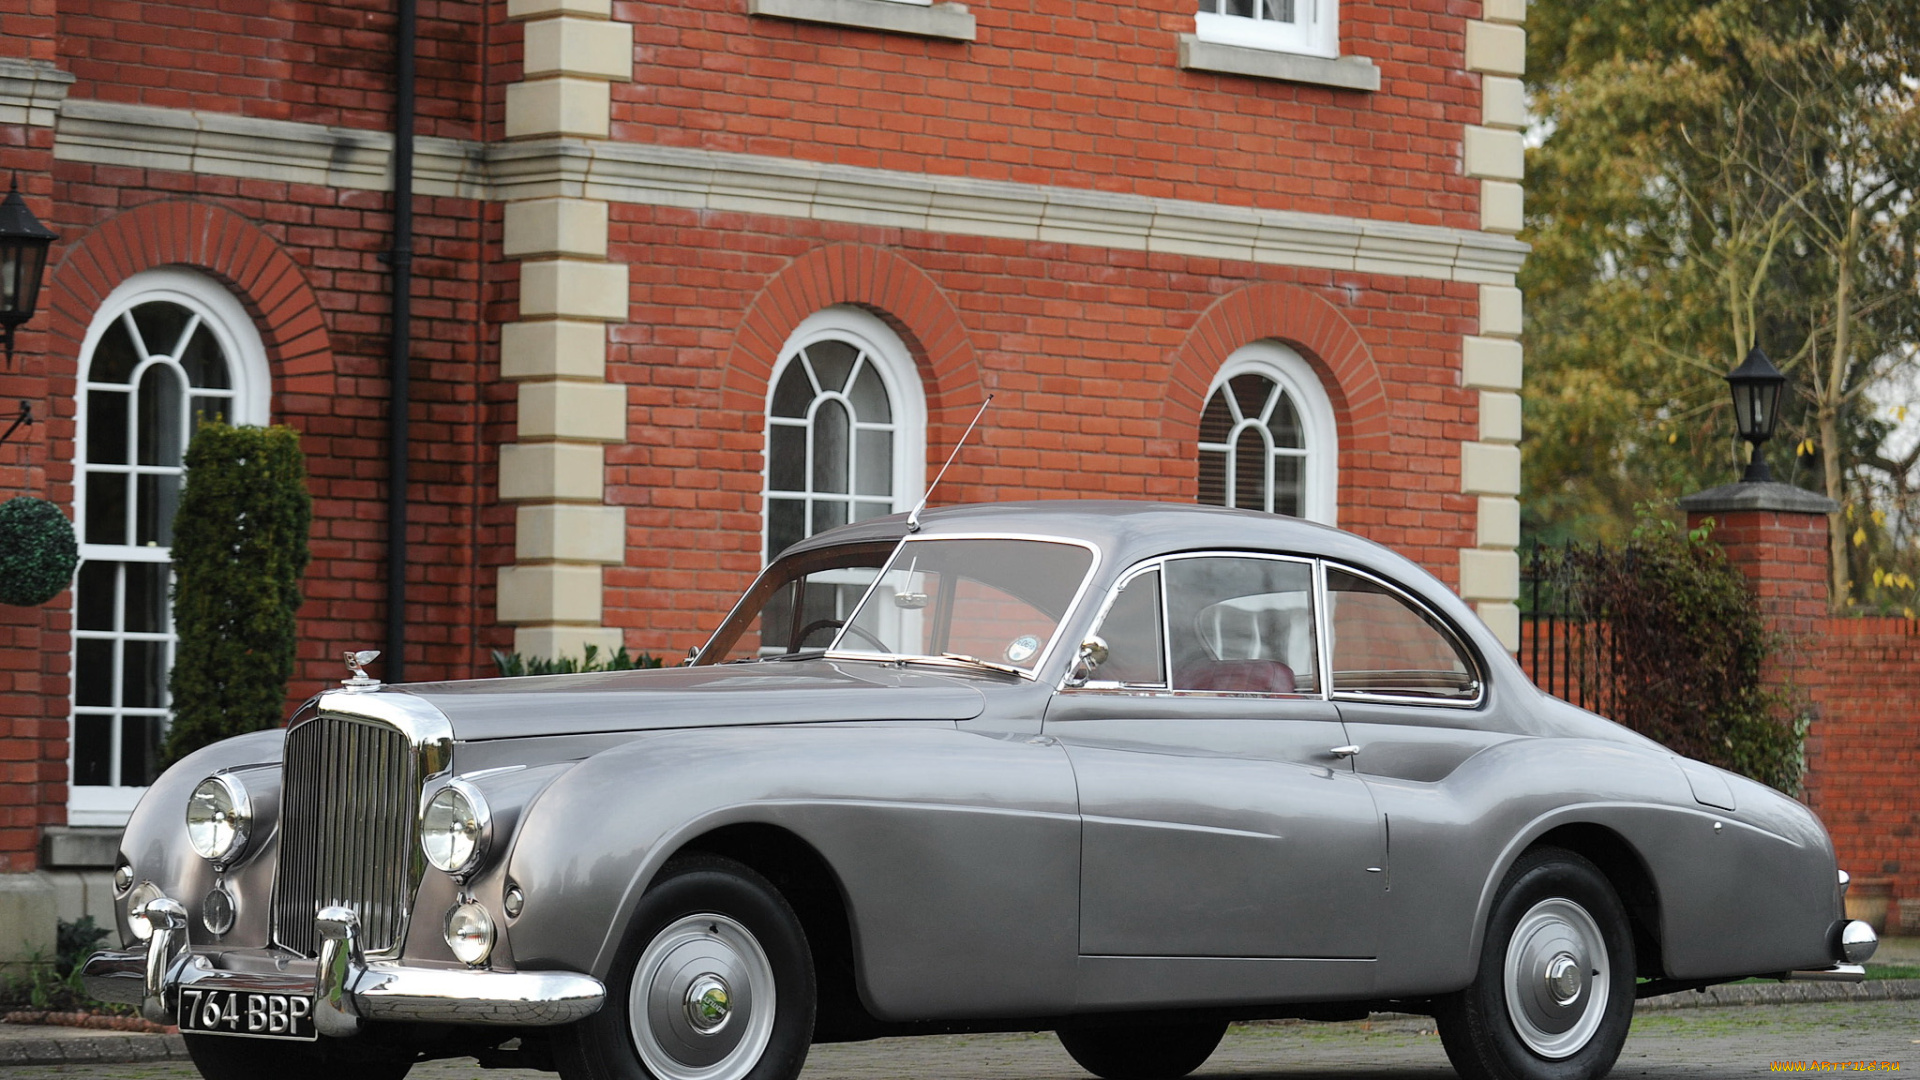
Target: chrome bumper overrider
point(346, 988)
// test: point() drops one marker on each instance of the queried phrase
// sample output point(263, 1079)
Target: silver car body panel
point(1010, 848)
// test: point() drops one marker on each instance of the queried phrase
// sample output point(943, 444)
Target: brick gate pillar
point(1777, 535)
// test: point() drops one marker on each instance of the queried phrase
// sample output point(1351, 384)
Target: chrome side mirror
point(1093, 653)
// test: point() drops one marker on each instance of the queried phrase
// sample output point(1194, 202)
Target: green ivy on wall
point(239, 548)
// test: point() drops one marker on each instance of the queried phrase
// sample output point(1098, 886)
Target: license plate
point(249, 1013)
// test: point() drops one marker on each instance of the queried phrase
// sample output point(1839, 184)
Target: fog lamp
point(470, 932)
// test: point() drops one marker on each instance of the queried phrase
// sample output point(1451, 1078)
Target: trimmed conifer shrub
point(239, 548)
point(37, 551)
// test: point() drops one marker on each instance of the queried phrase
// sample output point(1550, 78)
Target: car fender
point(957, 854)
point(1452, 843)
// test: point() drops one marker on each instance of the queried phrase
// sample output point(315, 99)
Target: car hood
point(805, 692)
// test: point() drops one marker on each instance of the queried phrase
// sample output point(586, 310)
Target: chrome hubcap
point(701, 1005)
point(1556, 978)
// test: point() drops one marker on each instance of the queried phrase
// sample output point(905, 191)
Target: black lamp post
point(23, 257)
point(1756, 408)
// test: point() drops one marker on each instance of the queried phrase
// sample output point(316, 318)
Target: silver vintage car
point(1124, 771)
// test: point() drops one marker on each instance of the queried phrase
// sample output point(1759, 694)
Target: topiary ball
point(37, 551)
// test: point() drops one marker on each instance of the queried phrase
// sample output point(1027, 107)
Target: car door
point(1219, 815)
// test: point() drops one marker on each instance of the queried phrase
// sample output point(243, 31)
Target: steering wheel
point(836, 624)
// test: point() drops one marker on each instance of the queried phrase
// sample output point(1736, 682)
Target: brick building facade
point(1249, 254)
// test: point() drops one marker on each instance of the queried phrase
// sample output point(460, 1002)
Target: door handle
point(1344, 751)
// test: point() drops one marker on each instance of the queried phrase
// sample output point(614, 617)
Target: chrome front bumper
point(346, 988)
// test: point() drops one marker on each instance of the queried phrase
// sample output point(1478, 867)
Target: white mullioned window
point(168, 348)
point(846, 427)
point(846, 441)
point(1267, 436)
point(1311, 27)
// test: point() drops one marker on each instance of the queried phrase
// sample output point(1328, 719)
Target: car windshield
point(991, 599)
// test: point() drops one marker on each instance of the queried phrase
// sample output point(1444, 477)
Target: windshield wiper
point(974, 661)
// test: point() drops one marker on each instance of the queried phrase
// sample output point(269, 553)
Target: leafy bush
point(239, 548)
point(37, 551)
point(1687, 642)
point(57, 987)
point(513, 664)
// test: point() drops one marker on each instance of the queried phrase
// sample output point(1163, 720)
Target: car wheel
point(1554, 993)
point(227, 1057)
point(1142, 1052)
point(713, 982)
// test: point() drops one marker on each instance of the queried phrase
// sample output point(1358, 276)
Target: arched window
point(167, 348)
point(1267, 436)
point(846, 427)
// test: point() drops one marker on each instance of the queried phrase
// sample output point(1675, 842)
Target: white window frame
point(1318, 429)
point(1315, 30)
point(247, 369)
point(893, 362)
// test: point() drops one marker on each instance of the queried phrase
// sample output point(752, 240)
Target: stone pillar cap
point(1783, 498)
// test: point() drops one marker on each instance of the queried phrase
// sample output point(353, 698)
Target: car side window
point(1131, 629)
point(1386, 645)
point(1241, 624)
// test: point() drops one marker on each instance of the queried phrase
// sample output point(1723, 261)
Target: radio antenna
point(913, 517)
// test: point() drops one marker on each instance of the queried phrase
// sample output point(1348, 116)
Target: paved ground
point(1682, 1044)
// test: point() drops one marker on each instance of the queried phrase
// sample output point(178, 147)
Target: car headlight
point(455, 827)
point(219, 816)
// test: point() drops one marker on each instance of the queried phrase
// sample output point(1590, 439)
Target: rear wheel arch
point(1632, 882)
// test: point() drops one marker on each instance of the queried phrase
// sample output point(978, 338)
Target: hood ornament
point(357, 664)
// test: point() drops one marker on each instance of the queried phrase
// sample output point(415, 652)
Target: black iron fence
point(1568, 651)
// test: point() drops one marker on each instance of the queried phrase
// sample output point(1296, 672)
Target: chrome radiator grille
point(346, 830)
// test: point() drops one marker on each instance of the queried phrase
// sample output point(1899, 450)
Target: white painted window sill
point(951, 21)
point(1346, 73)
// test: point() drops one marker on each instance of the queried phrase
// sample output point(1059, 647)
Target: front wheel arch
point(713, 980)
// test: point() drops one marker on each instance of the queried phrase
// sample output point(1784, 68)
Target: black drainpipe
point(401, 258)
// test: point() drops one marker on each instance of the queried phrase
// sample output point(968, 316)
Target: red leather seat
point(1236, 676)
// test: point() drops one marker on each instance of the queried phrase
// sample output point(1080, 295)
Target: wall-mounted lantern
point(1756, 387)
point(23, 259)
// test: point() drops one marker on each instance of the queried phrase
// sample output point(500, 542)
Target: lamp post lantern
point(1756, 387)
point(23, 257)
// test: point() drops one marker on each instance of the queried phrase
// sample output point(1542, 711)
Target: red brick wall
point(314, 61)
point(1074, 93)
point(1863, 752)
point(33, 667)
point(1098, 360)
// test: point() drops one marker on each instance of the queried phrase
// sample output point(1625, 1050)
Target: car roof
point(1127, 531)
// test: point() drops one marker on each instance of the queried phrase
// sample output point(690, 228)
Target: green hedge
point(1689, 641)
point(513, 664)
point(239, 548)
